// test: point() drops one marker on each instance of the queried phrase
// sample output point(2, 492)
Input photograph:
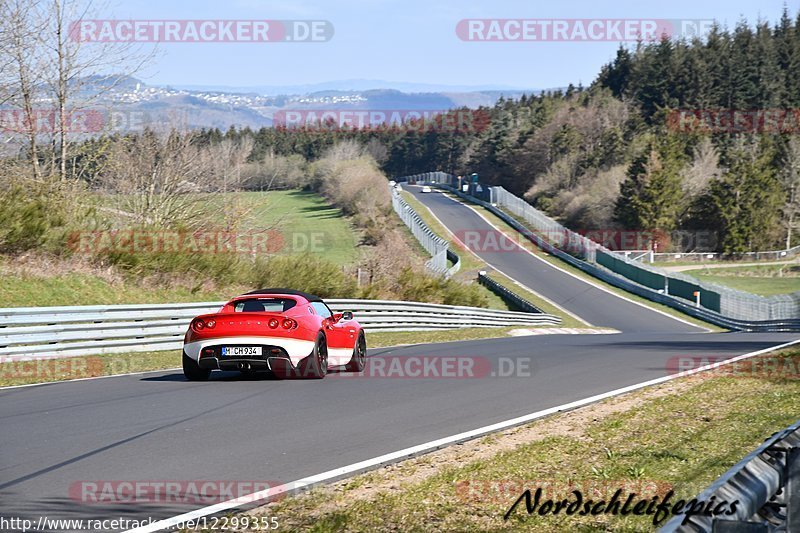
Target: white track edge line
point(9, 387)
point(481, 259)
point(428, 446)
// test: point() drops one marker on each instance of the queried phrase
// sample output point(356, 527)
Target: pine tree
point(747, 201)
point(650, 197)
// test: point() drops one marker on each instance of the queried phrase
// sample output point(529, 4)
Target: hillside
point(695, 140)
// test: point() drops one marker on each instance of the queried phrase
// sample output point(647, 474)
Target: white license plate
point(241, 350)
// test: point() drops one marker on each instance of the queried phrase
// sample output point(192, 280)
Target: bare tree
point(157, 177)
point(377, 150)
point(227, 161)
point(44, 66)
point(703, 169)
point(21, 60)
point(276, 171)
point(70, 63)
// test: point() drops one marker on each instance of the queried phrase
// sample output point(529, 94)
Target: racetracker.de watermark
point(195, 492)
point(409, 120)
point(612, 239)
point(441, 367)
point(201, 31)
point(580, 30)
point(204, 242)
point(732, 121)
point(767, 367)
point(48, 121)
point(52, 368)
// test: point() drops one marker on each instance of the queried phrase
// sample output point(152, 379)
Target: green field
point(300, 221)
point(764, 280)
point(305, 221)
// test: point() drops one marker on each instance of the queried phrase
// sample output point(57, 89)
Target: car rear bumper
point(275, 364)
point(290, 349)
point(280, 364)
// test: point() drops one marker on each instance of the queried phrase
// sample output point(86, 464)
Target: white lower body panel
point(339, 356)
point(296, 348)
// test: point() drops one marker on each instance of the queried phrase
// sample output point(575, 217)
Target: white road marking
point(88, 379)
point(479, 258)
point(406, 453)
point(588, 282)
point(522, 332)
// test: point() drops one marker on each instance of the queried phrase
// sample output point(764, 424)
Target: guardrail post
point(793, 490)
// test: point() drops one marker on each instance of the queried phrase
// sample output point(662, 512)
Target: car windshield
point(262, 305)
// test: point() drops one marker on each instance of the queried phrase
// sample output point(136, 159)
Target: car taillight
point(288, 323)
point(273, 323)
point(210, 324)
point(198, 324)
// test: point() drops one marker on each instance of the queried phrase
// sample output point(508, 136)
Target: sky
point(406, 40)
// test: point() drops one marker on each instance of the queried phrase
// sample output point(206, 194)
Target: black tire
point(359, 360)
point(316, 366)
point(192, 370)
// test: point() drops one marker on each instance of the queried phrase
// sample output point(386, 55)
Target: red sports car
point(288, 332)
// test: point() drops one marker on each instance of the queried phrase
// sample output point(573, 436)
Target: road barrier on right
point(723, 306)
point(766, 485)
point(729, 302)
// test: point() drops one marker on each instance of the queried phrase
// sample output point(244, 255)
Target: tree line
point(605, 156)
point(613, 155)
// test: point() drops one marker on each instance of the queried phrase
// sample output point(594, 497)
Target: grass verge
point(624, 442)
point(766, 280)
point(87, 366)
point(20, 289)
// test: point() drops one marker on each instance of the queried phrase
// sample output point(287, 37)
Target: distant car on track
point(287, 332)
point(426, 189)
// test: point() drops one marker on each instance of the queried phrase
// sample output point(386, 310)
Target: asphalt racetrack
point(158, 427)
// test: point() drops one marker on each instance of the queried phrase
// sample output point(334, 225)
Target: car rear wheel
point(192, 370)
point(359, 359)
point(316, 366)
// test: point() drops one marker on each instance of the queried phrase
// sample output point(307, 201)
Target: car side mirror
point(347, 315)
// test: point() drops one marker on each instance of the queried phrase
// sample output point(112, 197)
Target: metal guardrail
point(453, 258)
point(433, 244)
point(790, 324)
point(766, 484)
point(732, 303)
point(34, 332)
point(772, 255)
point(507, 294)
point(429, 240)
